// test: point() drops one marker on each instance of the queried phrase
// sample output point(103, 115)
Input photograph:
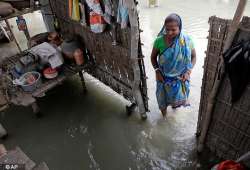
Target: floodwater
point(81, 132)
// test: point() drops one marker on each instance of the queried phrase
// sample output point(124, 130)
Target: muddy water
point(80, 132)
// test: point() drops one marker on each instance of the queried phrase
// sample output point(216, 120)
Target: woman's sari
point(173, 62)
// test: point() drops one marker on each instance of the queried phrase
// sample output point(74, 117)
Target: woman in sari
point(173, 58)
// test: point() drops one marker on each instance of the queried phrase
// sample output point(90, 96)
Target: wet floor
point(81, 132)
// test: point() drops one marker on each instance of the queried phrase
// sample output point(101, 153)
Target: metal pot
point(29, 87)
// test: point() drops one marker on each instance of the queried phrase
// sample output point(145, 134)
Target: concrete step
point(41, 166)
point(17, 156)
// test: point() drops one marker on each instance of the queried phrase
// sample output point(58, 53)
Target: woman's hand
point(159, 76)
point(186, 75)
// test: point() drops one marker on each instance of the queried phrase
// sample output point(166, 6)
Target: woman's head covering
point(170, 18)
point(180, 46)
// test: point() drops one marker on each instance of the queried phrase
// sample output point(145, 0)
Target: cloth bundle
point(48, 54)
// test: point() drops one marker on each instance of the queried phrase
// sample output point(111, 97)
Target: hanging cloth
point(109, 11)
point(237, 65)
point(97, 22)
point(95, 6)
point(74, 10)
point(122, 14)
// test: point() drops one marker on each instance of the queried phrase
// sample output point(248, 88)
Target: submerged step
point(41, 166)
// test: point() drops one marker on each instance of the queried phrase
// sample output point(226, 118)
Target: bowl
point(30, 81)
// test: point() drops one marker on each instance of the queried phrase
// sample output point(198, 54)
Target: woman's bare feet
point(164, 112)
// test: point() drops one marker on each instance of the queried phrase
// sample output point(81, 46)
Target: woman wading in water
point(173, 58)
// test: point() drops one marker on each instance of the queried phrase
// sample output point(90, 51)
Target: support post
point(36, 109)
point(12, 34)
point(130, 109)
point(133, 18)
point(27, 34)
point(83, 82)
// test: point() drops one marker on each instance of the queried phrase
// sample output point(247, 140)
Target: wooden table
point(23, 98)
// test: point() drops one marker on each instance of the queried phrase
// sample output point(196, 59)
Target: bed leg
point(83, 82)
point(36, 109)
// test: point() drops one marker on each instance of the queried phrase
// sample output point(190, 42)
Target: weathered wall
point(229, 131)
point(113, 64)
